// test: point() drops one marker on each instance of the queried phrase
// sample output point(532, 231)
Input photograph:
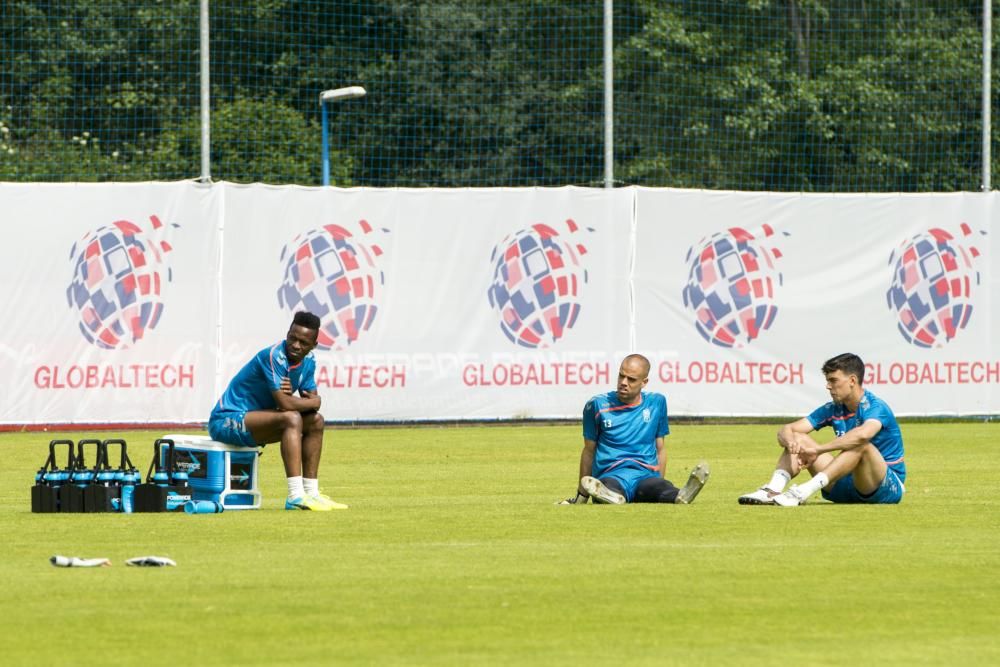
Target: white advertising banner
point(436, 304)
point(136, 303)
point(110, 302)
point(741, 297)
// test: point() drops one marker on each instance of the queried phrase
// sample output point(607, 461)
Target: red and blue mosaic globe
point(933, 282)
point(119, 272)
point(333, 274)
point(732, 286)
point(538, 277)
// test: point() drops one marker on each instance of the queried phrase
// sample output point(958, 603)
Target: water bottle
point(203, 507)
point(175, 481)
point(160, 475)
point(123, 461)
point(83, 476)
point(55, 479)
point(57, 476)
point(74, 495)
point(105, 475)
point(163, 459)
point(46, 494)
point(179, 477)
point(131, 478)
point(122, 455)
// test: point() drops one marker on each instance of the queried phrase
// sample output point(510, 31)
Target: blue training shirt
point(625, 434)
point(888, 441)
point(250, 389)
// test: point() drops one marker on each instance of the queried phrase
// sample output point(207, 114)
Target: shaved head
point(638, 359)
point(632, 377)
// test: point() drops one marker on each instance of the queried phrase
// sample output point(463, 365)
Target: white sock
point(778, 481)
point(815, 484)
point(295, 489)
point(311, 486)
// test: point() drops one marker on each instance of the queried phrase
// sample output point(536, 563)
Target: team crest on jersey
point(647, 415)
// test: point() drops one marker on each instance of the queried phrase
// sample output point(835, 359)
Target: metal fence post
point(987, 94)
point(206, 122)
point(609, 95)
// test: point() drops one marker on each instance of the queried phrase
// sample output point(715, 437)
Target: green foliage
point(810, 95)
point(834, 99)
point(119, 73)
point(284, 147)
point(452, 552)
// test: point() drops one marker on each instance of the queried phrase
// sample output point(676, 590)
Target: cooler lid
point(189, 441)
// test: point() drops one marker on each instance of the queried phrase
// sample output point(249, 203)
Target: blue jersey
point(625, 434)
point(251, 388)
point(888, 441)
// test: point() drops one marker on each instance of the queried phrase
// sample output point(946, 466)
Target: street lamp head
point(338, 94)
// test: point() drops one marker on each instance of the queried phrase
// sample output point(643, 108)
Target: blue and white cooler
point(217, 471)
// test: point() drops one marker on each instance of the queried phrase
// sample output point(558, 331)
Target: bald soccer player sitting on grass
point(624, 459)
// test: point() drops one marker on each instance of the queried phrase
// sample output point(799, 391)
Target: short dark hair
point(848, 364)
point(306, 319)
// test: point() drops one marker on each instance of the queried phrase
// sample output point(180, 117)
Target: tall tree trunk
point(800, 29)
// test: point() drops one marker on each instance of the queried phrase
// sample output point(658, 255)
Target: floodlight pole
point(334, 95)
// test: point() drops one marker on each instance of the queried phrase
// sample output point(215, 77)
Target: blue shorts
point(629, 479)
point(889, 492)
point(229, 427)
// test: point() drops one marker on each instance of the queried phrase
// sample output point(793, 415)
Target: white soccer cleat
point(326, 500)
point(307, 503)
point(600, 493)
point(793, 497)
point(762, 496)
point(696, 481)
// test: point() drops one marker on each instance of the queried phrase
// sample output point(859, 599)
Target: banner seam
point(633, 239)
point(221, 227)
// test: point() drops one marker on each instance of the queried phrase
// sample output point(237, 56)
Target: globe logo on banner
point(537, 279)
point(933, 277)
point(118, 276)
point(333, 274)
point(731, 286)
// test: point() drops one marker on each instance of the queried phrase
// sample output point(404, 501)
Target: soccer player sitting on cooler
point(623, 458)
point(869, 467)
point(260, 406)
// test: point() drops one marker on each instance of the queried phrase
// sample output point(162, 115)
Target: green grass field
point(453, 553)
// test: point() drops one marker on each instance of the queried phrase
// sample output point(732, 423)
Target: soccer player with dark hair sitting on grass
point(624, 459)
point(261, 406)
point(869, 467)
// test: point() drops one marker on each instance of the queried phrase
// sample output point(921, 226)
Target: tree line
point(783, 95)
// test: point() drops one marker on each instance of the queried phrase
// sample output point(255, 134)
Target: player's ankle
point(295, 488)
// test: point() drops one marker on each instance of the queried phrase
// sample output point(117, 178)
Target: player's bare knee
point(869, 452)
point(313, 422)
point(291, 420)
point(872, 457)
